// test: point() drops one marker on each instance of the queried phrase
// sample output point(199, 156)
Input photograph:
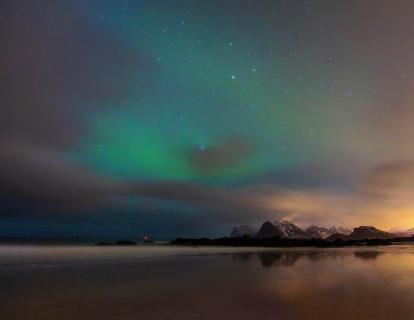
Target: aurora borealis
point(188, 117)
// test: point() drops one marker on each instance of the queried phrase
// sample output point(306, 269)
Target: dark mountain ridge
point(284, 229)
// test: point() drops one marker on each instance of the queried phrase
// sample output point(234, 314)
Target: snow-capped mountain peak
point(317, 232)
point(340, 229)
point(280, 228)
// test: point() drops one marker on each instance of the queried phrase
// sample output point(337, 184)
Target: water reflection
point(359, 285)
point(242, 257)
point(367, 255)
point(268, 259)
point(296, 284)
point(287, 259)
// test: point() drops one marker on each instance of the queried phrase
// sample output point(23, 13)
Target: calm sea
point(163, 282)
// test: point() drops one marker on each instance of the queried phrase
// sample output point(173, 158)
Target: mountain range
point(285, 229)
point(361, 233)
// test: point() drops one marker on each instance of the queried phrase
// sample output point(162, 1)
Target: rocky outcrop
point(368, 232)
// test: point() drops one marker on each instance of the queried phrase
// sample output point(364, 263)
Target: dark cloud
point(389, 179)
point(319, 175)
point(232, 202)
point(52, 185)
point(227, 152)
point(42, 181)
point(46, 180)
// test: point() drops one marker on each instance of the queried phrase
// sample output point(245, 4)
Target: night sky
point(185, 118)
